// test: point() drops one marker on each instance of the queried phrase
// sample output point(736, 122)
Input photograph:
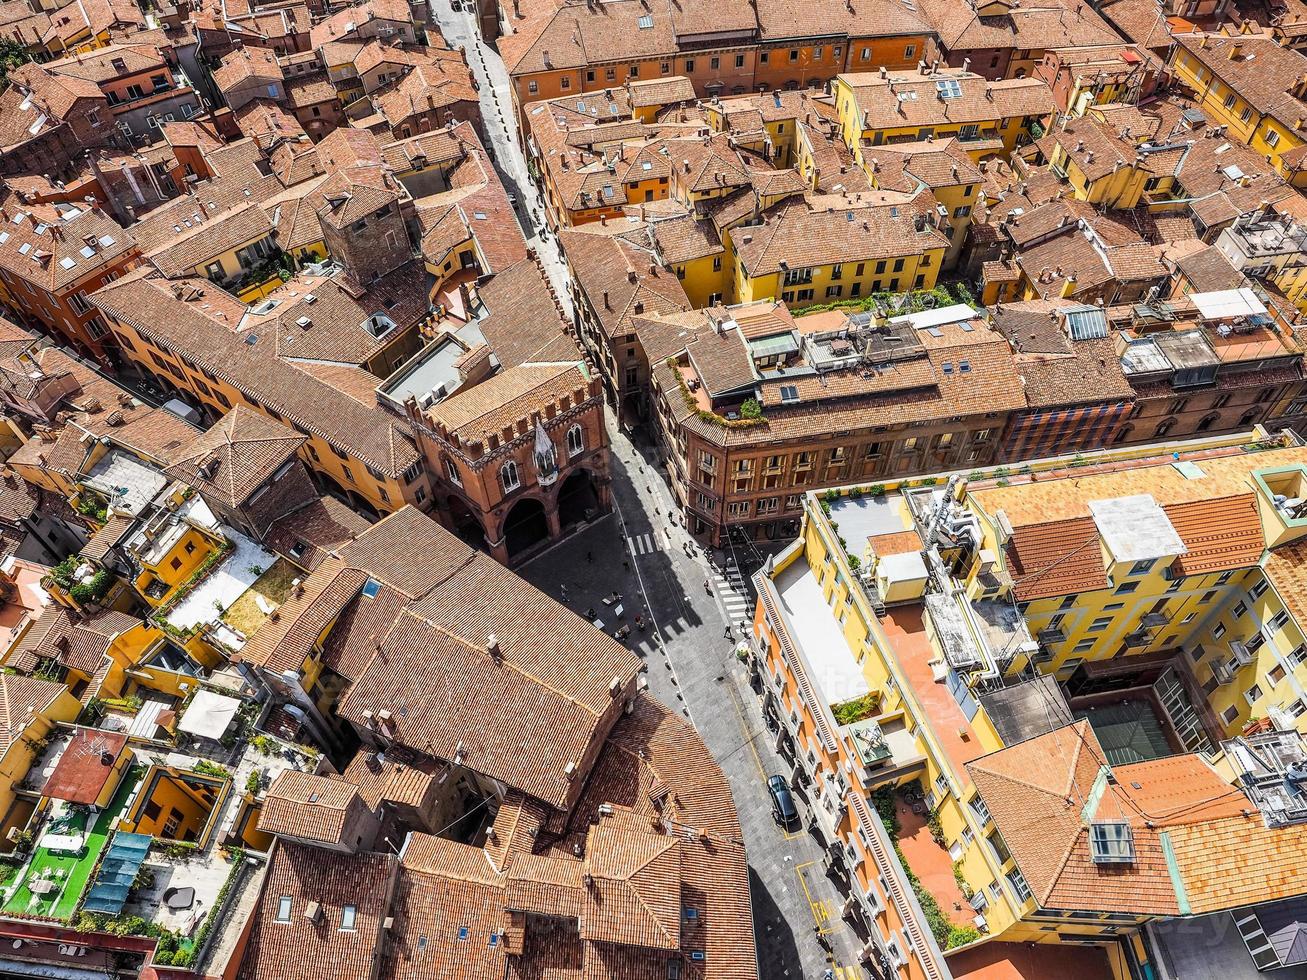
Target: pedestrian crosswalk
point(643, 544)
point(734, 593)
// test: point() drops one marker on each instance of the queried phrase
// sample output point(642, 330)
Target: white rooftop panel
point(937, 317)
point(1226, 303)
point(1136, 528)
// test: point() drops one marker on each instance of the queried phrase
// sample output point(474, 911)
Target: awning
point(118, 869)
point(1225, 303)
point(209, 715)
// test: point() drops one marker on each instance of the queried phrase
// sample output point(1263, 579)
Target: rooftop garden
point(947, 934)
point(849, 712)
point(272, 586)
point(899, 304)
point(50, 880)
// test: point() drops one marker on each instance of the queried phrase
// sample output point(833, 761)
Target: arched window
point(1207, 421)
point(1164, 426)
point(575, 441)
point(1248, 418)
point(451, 471)
point(1123, 434)
point(508, 477)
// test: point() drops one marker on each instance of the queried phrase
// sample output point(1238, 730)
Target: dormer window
point(1111, 842)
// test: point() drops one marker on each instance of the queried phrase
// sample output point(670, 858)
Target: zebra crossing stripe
point(643, 544)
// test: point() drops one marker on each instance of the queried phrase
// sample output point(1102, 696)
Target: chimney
point(606, 305)
point(492, 647)
point(1236, 51)
point(630, 275)
point(966, 64)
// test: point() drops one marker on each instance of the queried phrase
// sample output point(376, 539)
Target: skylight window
point(646, 165)
point(347, 915)
point(66, 263)
point(371, 588)
point(1111, 842)
point(462, 934)
point(645, 22)
point(24, 248)
point(283, 908)
point(948, 88)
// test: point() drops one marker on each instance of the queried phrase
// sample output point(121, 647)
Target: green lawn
point(62, 903)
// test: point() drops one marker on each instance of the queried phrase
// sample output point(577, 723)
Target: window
point(1111, 842)
point(532, 86)
point(1230, 714)
point(714, 63)
point(962, 211)
point(1125, 588)
point(1240, 610)
point(283, 908)
point(565, 83)
point(1272, 137)
point(689, 65)
point(347, 918)
point(1100, 624)
point(1257, 589)
point(910, 51)
point(371, 589)
point(575, 441)
point(1218, 631)
point(1253, 694)
point(739, 61)
point(1143, 567)
point(1019, 885)
point(508, 477)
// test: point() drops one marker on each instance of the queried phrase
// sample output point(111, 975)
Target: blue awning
point(118, 870)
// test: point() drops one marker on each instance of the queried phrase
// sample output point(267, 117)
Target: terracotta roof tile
point(308, 807)
point(318, 949)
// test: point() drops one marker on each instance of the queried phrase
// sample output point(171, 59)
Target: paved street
point(460, 31)
point(638, 552)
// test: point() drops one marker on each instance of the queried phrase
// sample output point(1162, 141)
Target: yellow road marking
point(823, 913)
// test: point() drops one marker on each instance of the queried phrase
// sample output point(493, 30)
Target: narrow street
point(684, 605)
point(460, 31)
point(641, 554)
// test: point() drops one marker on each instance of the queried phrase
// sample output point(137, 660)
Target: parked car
point(782, 802)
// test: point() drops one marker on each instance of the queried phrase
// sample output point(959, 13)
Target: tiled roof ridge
point(636, 894)
point(485, 652)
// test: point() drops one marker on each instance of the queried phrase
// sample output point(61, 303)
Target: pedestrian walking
point(626, 564)
point(728, 634)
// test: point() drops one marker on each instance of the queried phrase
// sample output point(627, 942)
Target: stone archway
point(578, 499)
point(525, 527)
point(464, 523)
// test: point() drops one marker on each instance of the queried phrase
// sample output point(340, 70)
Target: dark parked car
point(782, 802)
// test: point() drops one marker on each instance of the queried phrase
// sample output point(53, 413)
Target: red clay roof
point(84, 768)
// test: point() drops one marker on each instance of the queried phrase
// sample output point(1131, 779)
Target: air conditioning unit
point(1242, 655)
